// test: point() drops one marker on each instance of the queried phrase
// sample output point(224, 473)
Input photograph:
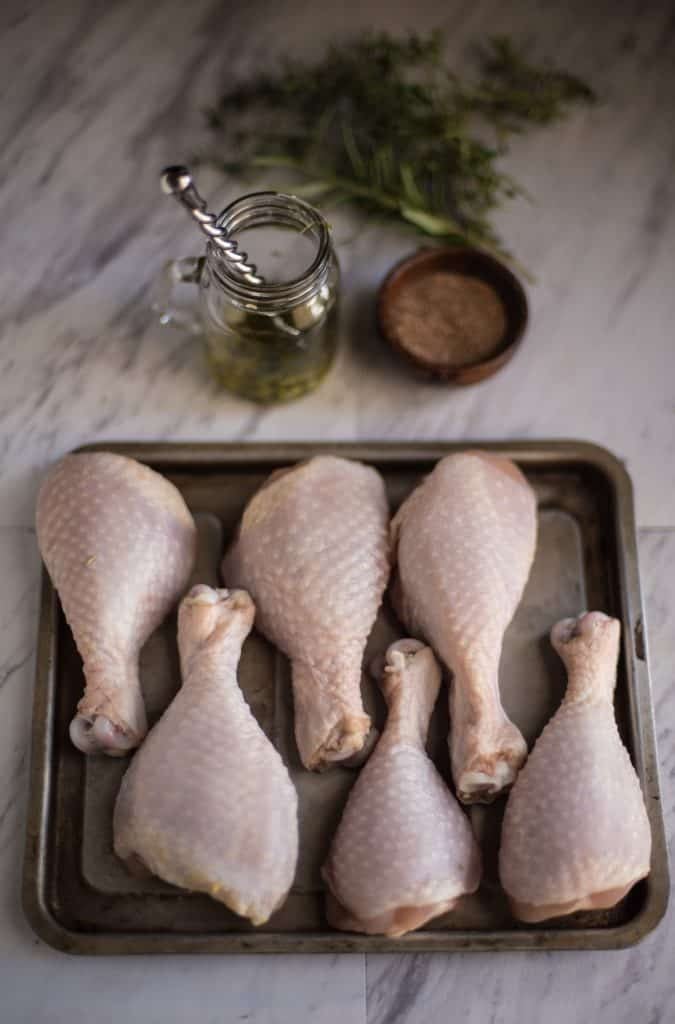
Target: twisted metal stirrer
point(177, 181)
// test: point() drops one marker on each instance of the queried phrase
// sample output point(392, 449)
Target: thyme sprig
point(383, 122)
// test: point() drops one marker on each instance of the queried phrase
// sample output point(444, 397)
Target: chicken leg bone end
point(98, 735)
point(345, 742)
point(484, 777)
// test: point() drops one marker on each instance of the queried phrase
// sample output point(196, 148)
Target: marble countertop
point(96, 99)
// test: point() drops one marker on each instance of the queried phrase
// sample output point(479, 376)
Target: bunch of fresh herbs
point(383, 122)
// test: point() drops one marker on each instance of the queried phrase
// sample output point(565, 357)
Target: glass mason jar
point(268, 342)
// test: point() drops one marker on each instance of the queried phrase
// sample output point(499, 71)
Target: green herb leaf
point(382, 122)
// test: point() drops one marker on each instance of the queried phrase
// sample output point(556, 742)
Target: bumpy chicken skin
point(313, 552)
point(576, 833)
point(404, 851)
point(464, 543)
point(207, 803)
point(119, 544)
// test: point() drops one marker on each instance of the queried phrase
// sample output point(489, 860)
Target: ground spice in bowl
point(448, 319)
point(457, 313)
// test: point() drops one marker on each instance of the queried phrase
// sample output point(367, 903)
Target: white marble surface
point(96, 98)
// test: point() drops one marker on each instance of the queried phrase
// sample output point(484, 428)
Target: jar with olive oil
point(274, 341)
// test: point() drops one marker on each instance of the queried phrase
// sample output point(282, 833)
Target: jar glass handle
point(173, 273)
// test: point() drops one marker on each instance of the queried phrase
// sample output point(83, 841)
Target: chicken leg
point(404, 851)
point(464, 543)
point(207, 803)
point(576, 834)
point(312, 550)
point(119, 544)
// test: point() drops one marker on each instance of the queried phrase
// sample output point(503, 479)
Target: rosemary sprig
point(382, 122)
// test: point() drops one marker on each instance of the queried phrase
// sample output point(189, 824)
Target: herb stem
point(323, 176)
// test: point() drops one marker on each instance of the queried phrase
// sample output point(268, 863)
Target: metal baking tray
point(79, 898)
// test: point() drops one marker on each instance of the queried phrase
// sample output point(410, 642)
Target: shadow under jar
point(268, 342)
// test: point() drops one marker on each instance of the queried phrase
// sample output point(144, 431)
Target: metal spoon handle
point(177, 182)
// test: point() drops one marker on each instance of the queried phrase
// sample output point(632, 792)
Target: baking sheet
point(80, 898)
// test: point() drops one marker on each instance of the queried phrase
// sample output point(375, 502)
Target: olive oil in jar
point(274, 341)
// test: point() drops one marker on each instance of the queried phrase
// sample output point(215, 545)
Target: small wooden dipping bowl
point(470, 263)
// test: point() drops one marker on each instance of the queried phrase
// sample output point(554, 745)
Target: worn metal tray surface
point(79, 898)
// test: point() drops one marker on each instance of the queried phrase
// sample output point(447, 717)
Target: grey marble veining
point(96, 98)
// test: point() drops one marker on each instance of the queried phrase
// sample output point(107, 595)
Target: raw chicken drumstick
point(404, 851)
point(575, 833)
point(312, 551)
point(207, 803)
point(119, 544)
point(464, 543)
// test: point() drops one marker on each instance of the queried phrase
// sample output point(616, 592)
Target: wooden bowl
point(472, 263)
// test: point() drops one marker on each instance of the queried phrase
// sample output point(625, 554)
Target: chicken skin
point(313, 552)
point(207, 803)
point(464, 543)
point(119, 544)
point(404, 851)
point(576, 834)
